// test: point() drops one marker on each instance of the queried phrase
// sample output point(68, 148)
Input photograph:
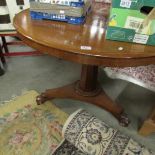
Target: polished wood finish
point(69, 91)
point(89, 82)
point(84, 44)
point(65, 40)
point(87, 90)
point(148, 126)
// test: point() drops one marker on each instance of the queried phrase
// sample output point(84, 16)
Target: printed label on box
point(125, 3)
point(86, 48)
point(133, 23)
point(61, 2)
point(140, 38)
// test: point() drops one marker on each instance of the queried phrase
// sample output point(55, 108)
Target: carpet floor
point(29, 129)
point(44, 72)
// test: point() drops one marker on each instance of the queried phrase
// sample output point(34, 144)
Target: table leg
point(2, 56)
point(5, 44)
point(1, 71)
point(88, 90)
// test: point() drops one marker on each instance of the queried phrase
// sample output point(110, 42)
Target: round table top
point(85, 44)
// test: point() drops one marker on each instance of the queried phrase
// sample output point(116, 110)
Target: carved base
point(98, 98)
point(94, 92)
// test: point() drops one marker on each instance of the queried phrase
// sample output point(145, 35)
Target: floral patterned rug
point(86, 135)
point(142, 75)
point(30, 129)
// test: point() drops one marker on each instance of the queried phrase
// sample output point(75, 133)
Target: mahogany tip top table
point(84, 44)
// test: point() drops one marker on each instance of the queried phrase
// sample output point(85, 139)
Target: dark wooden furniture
point(5, 44)
point(3, 61)
point(1, 71)
point(2, 58)
point(148, 126)
point(4, 51)
point(84, 44)
point(4, 48)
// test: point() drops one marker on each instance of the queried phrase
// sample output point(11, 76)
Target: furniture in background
point(84, 44)
point(143, 76)
point(148, 126)
point(2, 61)
point(1, 71)
point(9, 8)
point(5, 50)
point(5, 44)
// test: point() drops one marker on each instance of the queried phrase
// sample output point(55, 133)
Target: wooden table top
point(84, 44)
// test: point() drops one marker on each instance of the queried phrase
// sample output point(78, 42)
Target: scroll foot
point(42, 98)
point(124, 120)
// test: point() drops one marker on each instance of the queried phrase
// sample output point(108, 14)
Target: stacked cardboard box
point(132, 21)
point(71, 11)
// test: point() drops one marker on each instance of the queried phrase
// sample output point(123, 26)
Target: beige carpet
point(29, 129)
